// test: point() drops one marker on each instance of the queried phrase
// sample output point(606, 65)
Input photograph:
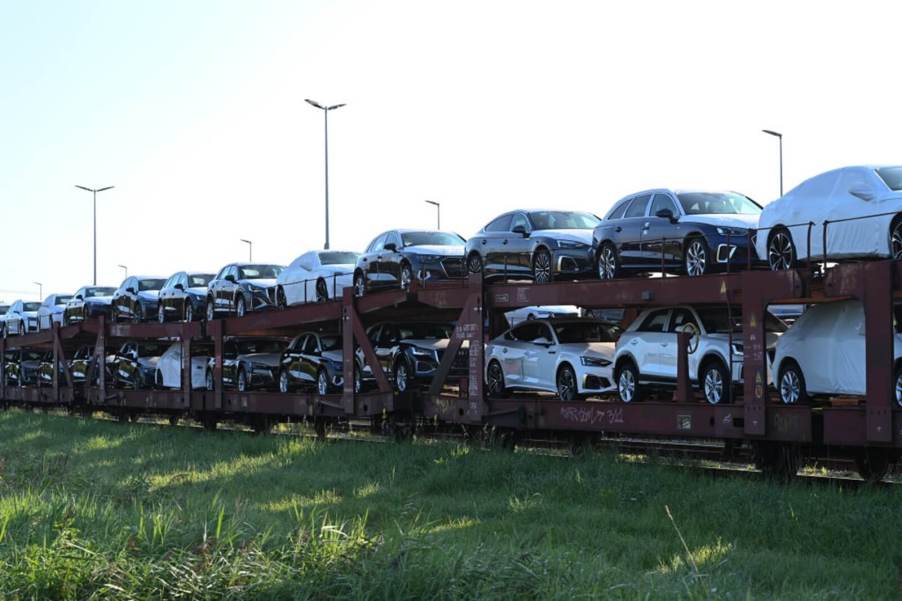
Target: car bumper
point(262, 377)
point(573, 262)
point(96, 310)
point(592, 379)
point(447, 268)
point(261, 300)
point(426, 366)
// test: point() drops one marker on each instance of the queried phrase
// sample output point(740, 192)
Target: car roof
point(147, 277)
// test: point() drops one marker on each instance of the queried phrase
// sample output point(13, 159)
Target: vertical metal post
point(877, 298)
point(754, 370)
point(215, 330)
point(187, 371)
point(326, 128)
point(100, 358)
point(781, 165)
point(347, 350)
point(2, 370)
point(56, 360)
point(95, 236)
point(683, 392)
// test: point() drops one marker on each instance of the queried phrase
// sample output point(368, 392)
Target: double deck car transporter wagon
point(868, 430)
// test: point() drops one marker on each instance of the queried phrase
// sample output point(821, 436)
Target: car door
point(228, 288)
point(491, 245)
point(389, 260)
point(387, 346)
point(369, 261)
point(629, 234)
point(311, 359)
point(294, 361)
point(680, 318)
point(229, 362)
point(660, 236)
point(180, 298)
point(649, 344)
point(513, 355)
point(304, 288)
point(538, 354)
point(517, 246)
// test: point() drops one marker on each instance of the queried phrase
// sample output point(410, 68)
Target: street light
point(94, 191)
point(438, 213)
point(250, 249)
point(40, 290)
point(125, 269)
point(325, 109)
point(779, 135)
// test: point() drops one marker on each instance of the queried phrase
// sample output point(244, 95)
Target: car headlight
point(418, 352)
point(737, 348)
point(594, 361)
point(571, 244)
point(429, 258)
point(731, 231)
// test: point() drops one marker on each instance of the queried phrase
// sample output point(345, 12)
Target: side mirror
point(230, 278)
point(666, 214)
point(390, 246)
point(862, 192)
point(542, 341)
point(520, 229)
point(179, 287)
point(130, 290)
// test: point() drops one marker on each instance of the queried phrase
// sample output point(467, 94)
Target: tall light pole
point(250, 249)
point(780, 136)
point(325, 109)
point(125, 269)
point(40, 290)
point(94, 191)
point(438, 213)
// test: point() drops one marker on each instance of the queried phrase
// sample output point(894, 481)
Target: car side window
point(183, 280)
point(306, 262)
point(661, 202)
point(393, 238)
point(520, 219)
point(655, 321)
point(527, 332)
point(373, 334)
point(501, 224)
point(619, 210)
point(387, 336)
point(679, 318)
point(310, 345)
point(638, 206)
point(376, 245)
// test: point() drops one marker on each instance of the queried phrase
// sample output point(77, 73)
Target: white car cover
point(169, 368)
point(841, 194)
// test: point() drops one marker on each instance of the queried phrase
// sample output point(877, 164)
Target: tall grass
point(96, 510)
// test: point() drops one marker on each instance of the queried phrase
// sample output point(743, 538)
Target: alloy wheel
point(21, 329)
point(358, 380)
point(240, 309)
point(899, 389)
point(495, 380)
point(242, 380)
point(713, 385)
point(791, 387)
point(401, 377)
point(211, 310)
point(626, 385)
point(780, 252)
point(607, 263)
point(896, 240)
point(474, 263)
point(283, 381)
point(322, 292)
point(696, 258)
point(566, 384)
point(406, 277)
point(359, 285)
point(322, 383)
point(208, 380)
point(541, 267)
point(161, 314)
point(189, 312)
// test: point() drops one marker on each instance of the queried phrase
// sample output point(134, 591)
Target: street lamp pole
point(325, 109)
point(250, 249)
point(780, 136)
point(40, 290)
point(125, 269)
point(438, 213)
point(94, 191)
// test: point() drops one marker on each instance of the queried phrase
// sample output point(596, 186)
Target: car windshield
point(31, 306)
point(584, 331)
point(717, 320)
point(31, 356)
point(199, 280)
point(246, 347)
point(337, 258)
point(150, 349)
point(99, 292)
point(717, 203)
point(259, 272)
point(892, 177)
point(150, 284)
point(431, 238)
point(331, 342)
point(563, 220)
point(3, 310)
point(62, 299)
point(426, 331)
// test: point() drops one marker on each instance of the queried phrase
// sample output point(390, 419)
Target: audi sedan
point(21, 367)
point(51, 310)
point(89, 301)
point(184, 296)
point(135, 364)
point(45, 371)
point(137, 298)
point(21, 318)
point(316, 276)
point(248, 364)
point(675, 231)
point(571, 357)
point(239, 288)
point(539, 245)
point(169, 367)
point(394, 258)
point(313, 360)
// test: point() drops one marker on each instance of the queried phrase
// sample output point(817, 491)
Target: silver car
point(51, 310)
point(21, 318)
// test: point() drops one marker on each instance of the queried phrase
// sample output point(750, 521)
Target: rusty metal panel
point(214, 329)
point(754, 370)
point(879, 332)
point(347, 346)
point(187, 384)
point(683, 391)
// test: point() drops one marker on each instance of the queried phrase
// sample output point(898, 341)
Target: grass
point(98, 510)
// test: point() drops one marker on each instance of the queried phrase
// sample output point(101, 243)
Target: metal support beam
point(877, 298)
point(214, 329)
point(187, 372)
point(683, 392)
point(100, 359)
point(754, 369)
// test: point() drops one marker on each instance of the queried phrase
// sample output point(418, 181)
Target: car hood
point(261, 282)
point(99, 300)
point(771, 338)
point(333, 356)
point(435, 249)
point(57, 308)
point(148, 362)
point(197, 291)
point(740, 221)
point(435, 344)
point(149, 295)
point(270, 359)
point(603, 350)
point(580, 235)
point(29, 313)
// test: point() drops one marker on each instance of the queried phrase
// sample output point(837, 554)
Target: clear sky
point(194, 111)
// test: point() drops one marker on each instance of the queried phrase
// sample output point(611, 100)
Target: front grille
point(454, 267)
point(461, 360)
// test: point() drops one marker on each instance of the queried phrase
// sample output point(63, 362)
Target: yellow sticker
point(753, 322)
point(723, 287)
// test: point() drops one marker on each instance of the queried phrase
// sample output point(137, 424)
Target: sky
point(195, 112)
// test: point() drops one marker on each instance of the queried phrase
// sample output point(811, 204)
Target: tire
point(208, 380)
point(240, 307)
point(359, 285)
point(358, 380)
point(211, 309)
point(140, 314)
point(895, 238)
point(474, 263)
point(494, 380)
point(714, 382)
point(189, 312)
point(899, 386)
point(542, 267)
point(781, 251)
point(567, 389)
point(607, 264)
point(322, 291)
point(281, 301)
point(322, 383)
point(406, 276)
point(402, 378)
point(21, 330)
point(696, 258)
point(284, 384)
point(628, 387)
point(791, 384)
point(161, 313)
point(242, 380)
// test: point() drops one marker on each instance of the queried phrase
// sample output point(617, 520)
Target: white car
point(540, 312)
point(21, 318)
point(647, 351)
point(863, 206)
point(316, 276)
point(824, 354)
point(169, 367)
point(51, 310)
point(571, 357)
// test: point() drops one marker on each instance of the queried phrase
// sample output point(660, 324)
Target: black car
point(135, 363)
point(45, 371)
point(242, 287)
point(21, 367)
point(184, 296)
point(410, 352)
point(137, 298)
point(89, 301)
point(248, 363)
point(394, 258)
point(313, 360)
point(81, 363)
point(685, 232)
point(539, 245)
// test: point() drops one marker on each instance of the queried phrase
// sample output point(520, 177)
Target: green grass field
point(91, 509)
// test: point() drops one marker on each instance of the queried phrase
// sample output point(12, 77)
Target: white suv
point(647, 352)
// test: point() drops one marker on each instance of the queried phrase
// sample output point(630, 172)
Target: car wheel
point(899, 386)
point(281, 301)
point(781, 252)
point(211, 310)
point(628, 383)
point(401, 376)
point(158, 379)
point(406, 276)
point(895, 238)
point(358, 380)
point(189, 311)
point(140, 314)
point(474, 263)
point(322, 291)
point(608, 268)
point(21, 329)
point(792, 384)
point(541, 266)
point(208, 380)
point(696, 259)
point(283, 381)
point(359, 285)
point(242, 380)
point(715, 382)
point(566, 384)
point(495, 380)
point(240, 308)
point(161, 313)
point(322, 383)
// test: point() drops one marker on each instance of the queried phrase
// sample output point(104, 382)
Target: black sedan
point(45, 371)
point(411, 352)
point(184, 296)
point(313, 360)
point(248, 363)
point(89, 301)
point(137, 298)
point(539, 245)
point(242, 287)
point(21, 367)
point(135, 363)
point(81, 364)
point(684, 232)
point(394, 258)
